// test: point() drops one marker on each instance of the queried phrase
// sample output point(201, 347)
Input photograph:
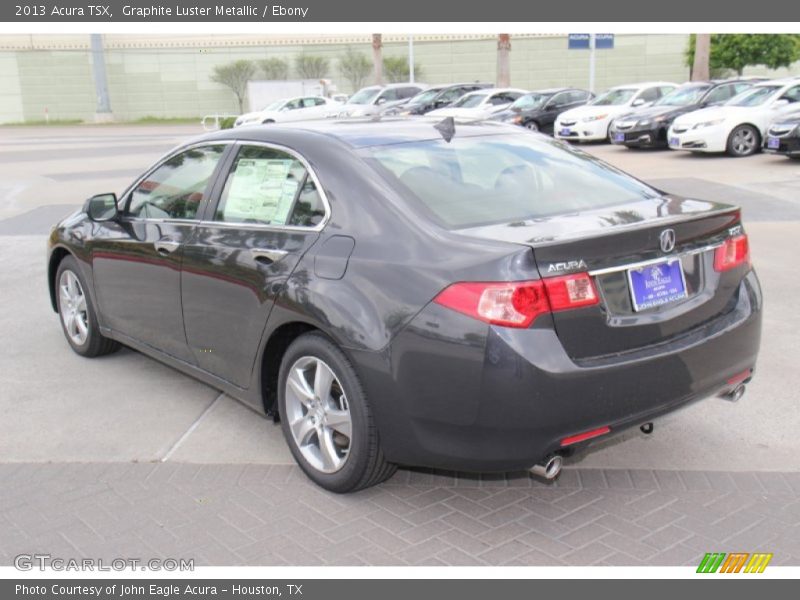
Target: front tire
point(77, 313)
point(531, 126)
point(744, 140)
point(326, 418)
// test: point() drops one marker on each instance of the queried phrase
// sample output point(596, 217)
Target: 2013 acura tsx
point(473, 297)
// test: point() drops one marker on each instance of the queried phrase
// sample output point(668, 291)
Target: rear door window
point(267, 186)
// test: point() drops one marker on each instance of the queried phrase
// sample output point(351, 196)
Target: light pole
point(410, 58)
point(103, 112)
point(592, 45)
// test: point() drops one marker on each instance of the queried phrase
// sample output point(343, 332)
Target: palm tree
point(377, 57)
point(702, 52)
point(503, 63)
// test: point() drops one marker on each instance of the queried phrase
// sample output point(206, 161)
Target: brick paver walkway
point(271, 515)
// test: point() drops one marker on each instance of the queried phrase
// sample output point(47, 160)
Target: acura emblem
point(667, 238)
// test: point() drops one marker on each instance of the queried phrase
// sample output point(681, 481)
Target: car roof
point(554, 90)
point(362, 133)
point(644, 84)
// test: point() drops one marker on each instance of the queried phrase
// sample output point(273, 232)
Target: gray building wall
point(169, 76)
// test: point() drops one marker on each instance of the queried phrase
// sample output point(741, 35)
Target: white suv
point(738, 126)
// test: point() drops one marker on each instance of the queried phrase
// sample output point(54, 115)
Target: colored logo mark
point(735, 562)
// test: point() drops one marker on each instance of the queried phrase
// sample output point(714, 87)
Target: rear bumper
point(464, 396)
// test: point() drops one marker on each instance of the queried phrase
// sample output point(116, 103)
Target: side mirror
point(381, 101)
point(638, 102)
point(780, 103)
point(102, 207)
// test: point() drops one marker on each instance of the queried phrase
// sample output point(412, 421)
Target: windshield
point(683, 96)
point(754, 96)
point(274, 106)
point(364, 96)
point(469, 101)
point(424, 97)
point(614, 98)
point(475, 181)
point(529, 101)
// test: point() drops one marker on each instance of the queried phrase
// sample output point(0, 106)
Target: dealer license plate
point(773, 142)
point(619, 137)
point(657, 284)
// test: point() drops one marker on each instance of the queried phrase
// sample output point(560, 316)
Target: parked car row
point(735, 116)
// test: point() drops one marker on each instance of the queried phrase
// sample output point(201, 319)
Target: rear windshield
point(474, 181)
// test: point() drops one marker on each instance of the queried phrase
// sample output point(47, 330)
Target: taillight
point(734, 251)
point(571, 291)
point(518, 303)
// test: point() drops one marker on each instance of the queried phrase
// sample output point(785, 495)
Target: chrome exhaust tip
point(735, 394)
point(549, 468)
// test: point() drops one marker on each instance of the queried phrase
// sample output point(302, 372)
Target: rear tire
point(531, 125)
point(326, 418)
point(744, 140)
point(77, 313)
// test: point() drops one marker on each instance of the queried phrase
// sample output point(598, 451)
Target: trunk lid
point(608, 243)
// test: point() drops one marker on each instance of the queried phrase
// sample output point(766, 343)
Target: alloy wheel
point(744, 141)
point(532, 126)
point(72, 305)
point(318, 414)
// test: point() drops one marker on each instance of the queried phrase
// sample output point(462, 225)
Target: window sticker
point(262, 190)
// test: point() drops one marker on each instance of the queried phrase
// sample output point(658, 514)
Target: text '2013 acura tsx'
point(471, 297)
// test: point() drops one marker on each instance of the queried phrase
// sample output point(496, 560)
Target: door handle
point(166, 246)
point(268, 255)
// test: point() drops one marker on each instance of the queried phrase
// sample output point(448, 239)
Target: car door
point(136, 259)
point(552, 108)
point(270, 210)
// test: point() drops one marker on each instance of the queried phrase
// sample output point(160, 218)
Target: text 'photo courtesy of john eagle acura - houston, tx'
point(462, 296)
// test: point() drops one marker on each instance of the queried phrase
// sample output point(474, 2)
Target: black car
point(647, 127)
point(783, 136)
point(439, 96)
point(538, 110)
point(465, 297)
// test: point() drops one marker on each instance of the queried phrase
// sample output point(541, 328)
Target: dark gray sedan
point(473, 297)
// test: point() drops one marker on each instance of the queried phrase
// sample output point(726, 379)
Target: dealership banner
point(152, 11)
point(387, 589)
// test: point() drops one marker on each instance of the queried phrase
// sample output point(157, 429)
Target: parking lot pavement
point(96, 419)
point(271, 515)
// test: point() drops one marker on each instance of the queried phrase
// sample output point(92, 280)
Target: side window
point(452, 95)
point(578, 96)
point(740, 87)
point(720, 94)
point(309, 102)
point(319, 101)
point(663, 91)
point(792, 94)
point(268, 186)
point(410, 92)
point(389, 95)
point(294, 104)
point(649, 95)
point(559, 100)
point(176, 189)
